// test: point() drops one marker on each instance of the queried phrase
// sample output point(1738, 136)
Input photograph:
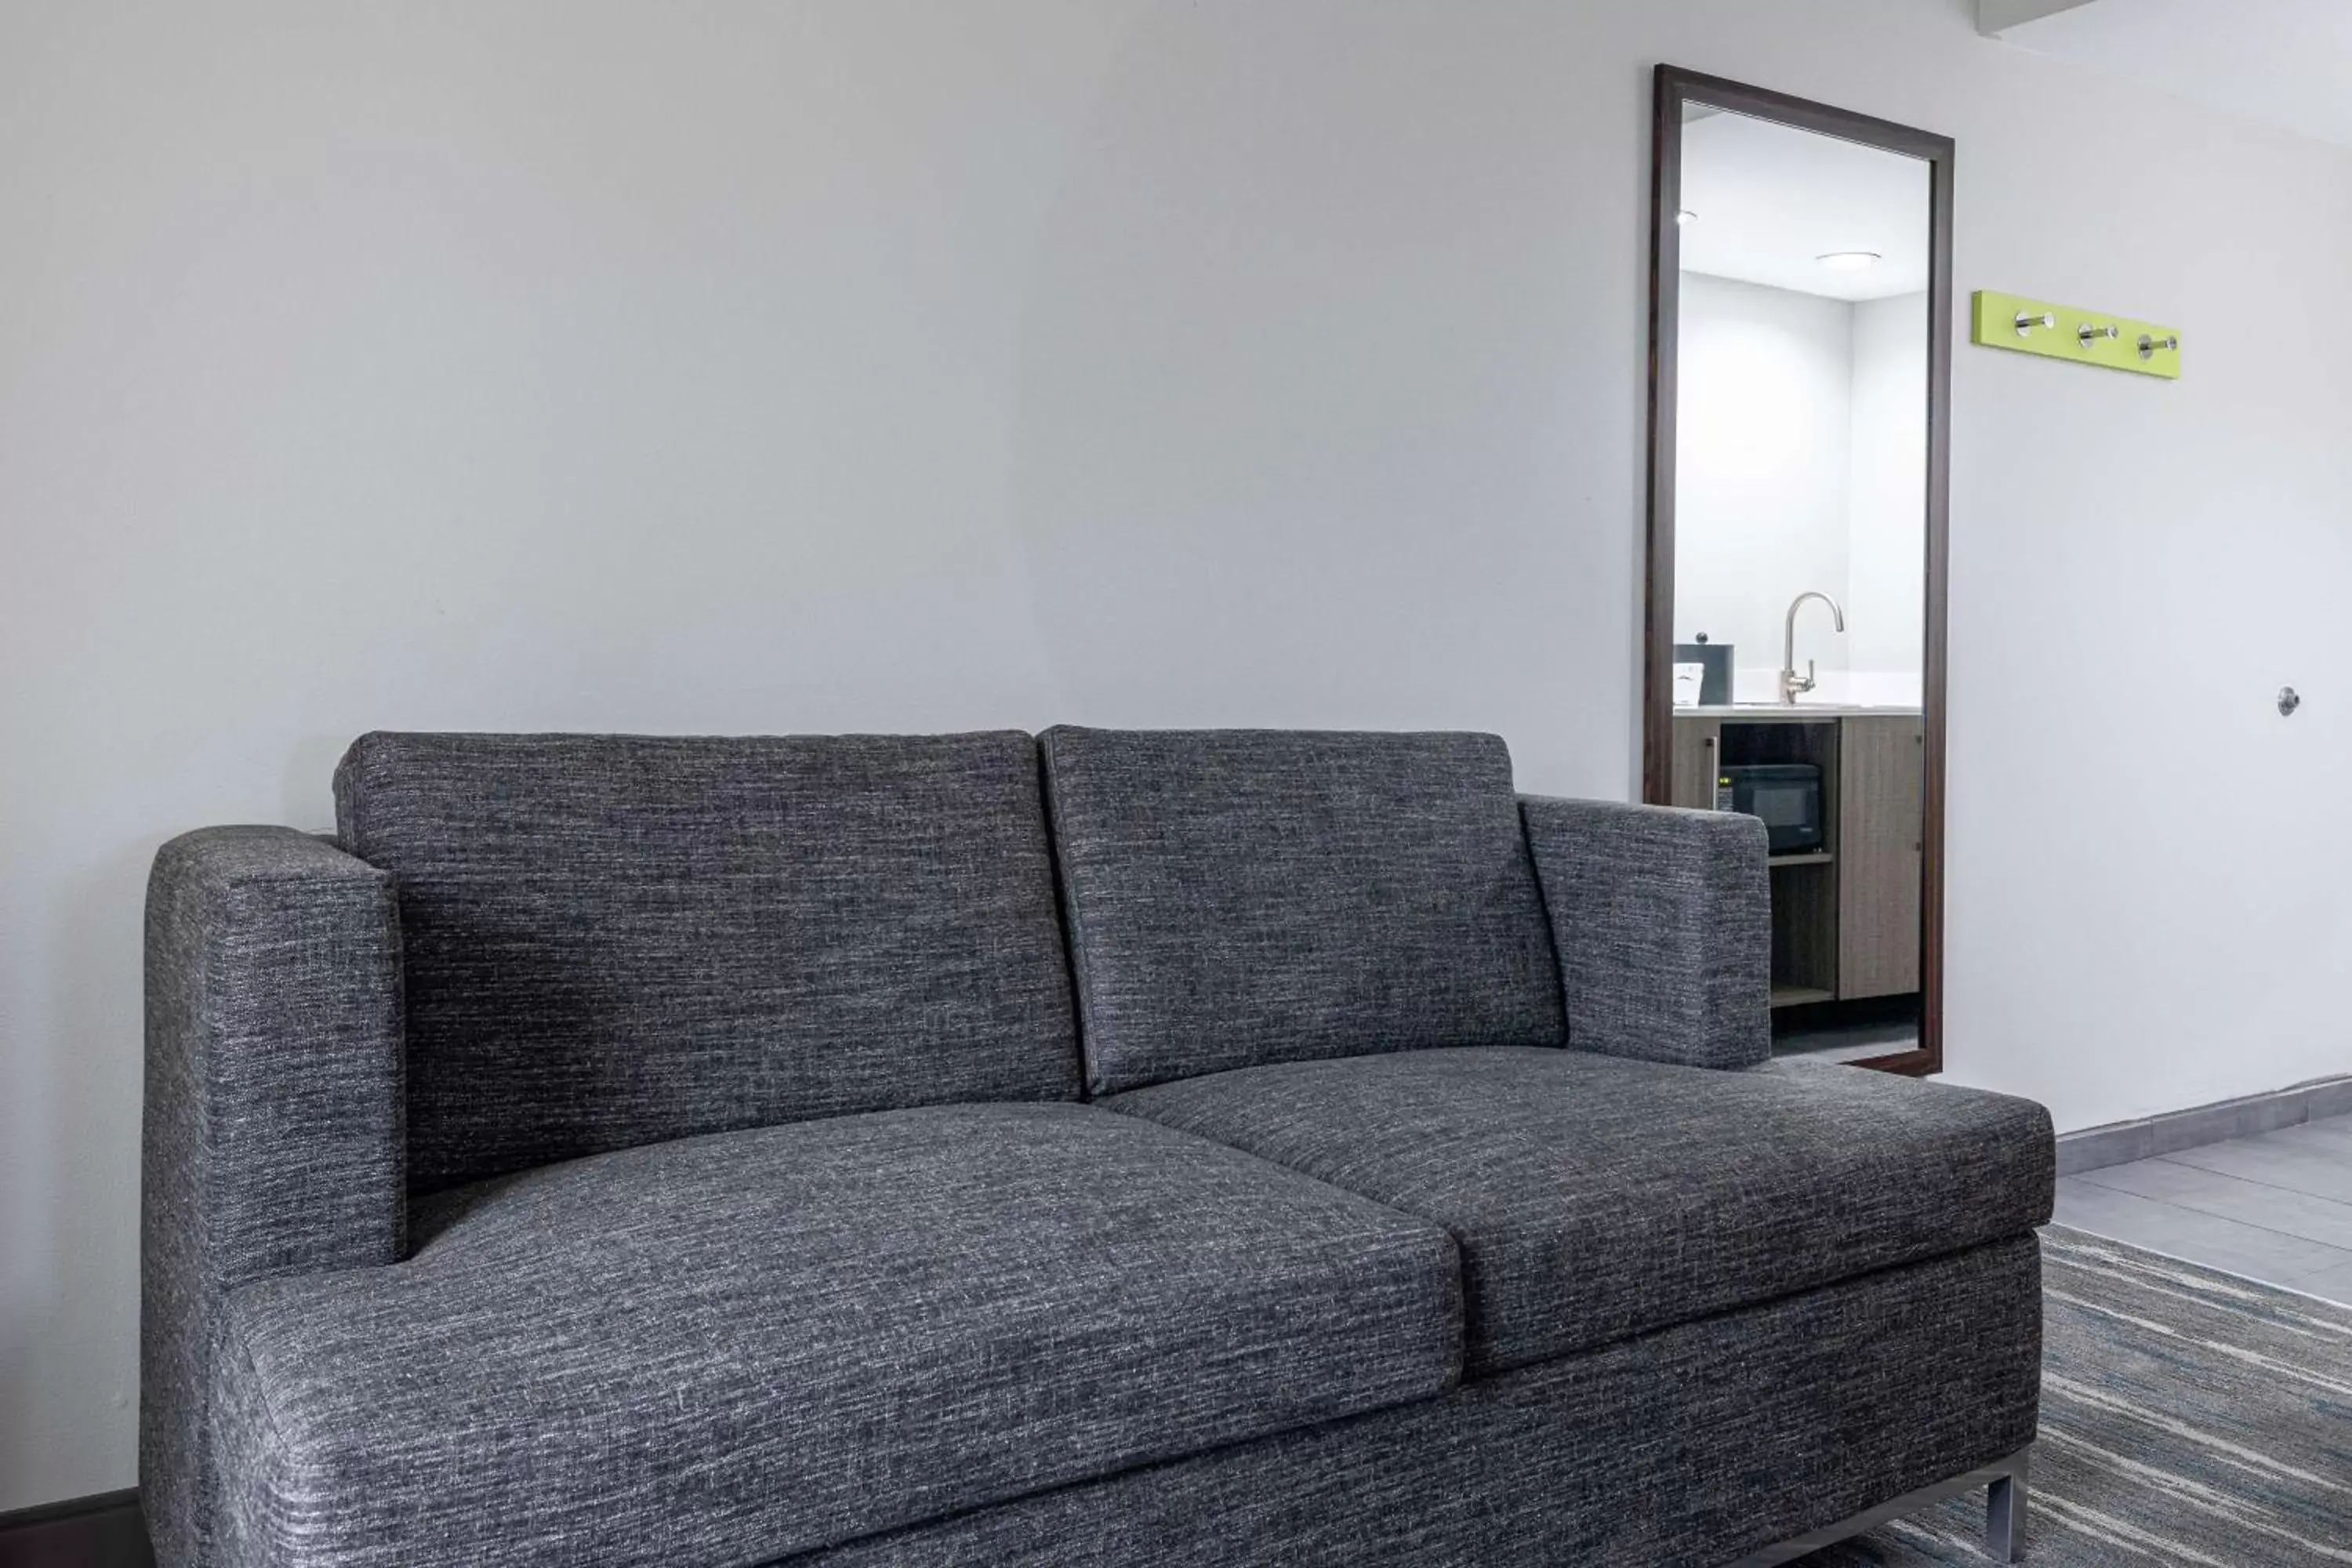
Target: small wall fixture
point(2087, 337)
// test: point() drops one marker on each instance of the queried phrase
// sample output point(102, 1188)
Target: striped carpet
point(2188, 1418)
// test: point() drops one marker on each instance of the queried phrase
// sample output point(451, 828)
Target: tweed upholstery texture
point(728, 1348)
point(615, 940)
point(1236, 898)
point(2189, 1419)
point(647, 1152)
point(1686, 1448)
point(1664, 923)
point(271, 1137)
point(1596, 1197)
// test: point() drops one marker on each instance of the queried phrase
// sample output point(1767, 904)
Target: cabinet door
point(1881, 762)
point(1697, 753)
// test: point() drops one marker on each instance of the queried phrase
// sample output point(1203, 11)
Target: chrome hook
point(2148, 345)
point(2027, 321)
point(2090, 334)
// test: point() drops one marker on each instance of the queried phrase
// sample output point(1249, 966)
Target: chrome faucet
point(1792, 683)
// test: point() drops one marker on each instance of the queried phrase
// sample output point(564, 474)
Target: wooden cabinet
point(1881, 769)
point(1698, 747)
point(1845, 919)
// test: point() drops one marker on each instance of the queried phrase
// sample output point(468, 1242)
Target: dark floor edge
point(2121, 1142)
point(102, 1531)
point(68, 1508)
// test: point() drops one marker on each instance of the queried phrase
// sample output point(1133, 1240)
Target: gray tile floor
point(1848, 1042)
point(2276, 1208)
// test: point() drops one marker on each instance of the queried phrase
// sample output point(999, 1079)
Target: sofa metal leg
point(2005, 1515)
point(2004, 1480)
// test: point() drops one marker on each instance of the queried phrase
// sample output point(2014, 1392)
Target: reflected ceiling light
point(1848, 260)
point(1686, 215)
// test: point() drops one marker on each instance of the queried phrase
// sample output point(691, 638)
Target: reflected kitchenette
point(1840, 790)
point(1799, 491)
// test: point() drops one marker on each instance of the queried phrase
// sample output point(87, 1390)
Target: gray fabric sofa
point(1201, 1148)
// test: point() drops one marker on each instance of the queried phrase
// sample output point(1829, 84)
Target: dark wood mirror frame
point(1676, 88)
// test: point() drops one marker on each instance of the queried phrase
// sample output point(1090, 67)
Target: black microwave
point(1787, 796)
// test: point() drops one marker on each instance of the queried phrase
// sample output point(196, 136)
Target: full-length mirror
point(1800, 313)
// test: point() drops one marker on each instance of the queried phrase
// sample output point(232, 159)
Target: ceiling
point(2286, 63)
point(1768, 200)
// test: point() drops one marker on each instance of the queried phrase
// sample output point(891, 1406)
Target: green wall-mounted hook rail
point(2086, 337)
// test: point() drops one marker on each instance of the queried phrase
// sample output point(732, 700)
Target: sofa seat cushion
point(1596, 1197)
point(731, 1348)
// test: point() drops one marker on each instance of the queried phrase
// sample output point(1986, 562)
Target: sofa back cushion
point(1241, 897)
point(616, 940)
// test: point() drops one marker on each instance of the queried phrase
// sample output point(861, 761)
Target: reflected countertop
point(1799, 711)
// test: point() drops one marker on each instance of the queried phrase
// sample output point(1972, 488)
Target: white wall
point(1886, 555)
point(900, 363)
point(1763, 477)
point(1801, 448)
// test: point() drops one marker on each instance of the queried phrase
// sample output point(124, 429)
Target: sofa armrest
point(273, 1132)
point(1663, 920)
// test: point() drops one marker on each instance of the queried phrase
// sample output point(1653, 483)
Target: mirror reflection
point(1801, 485)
